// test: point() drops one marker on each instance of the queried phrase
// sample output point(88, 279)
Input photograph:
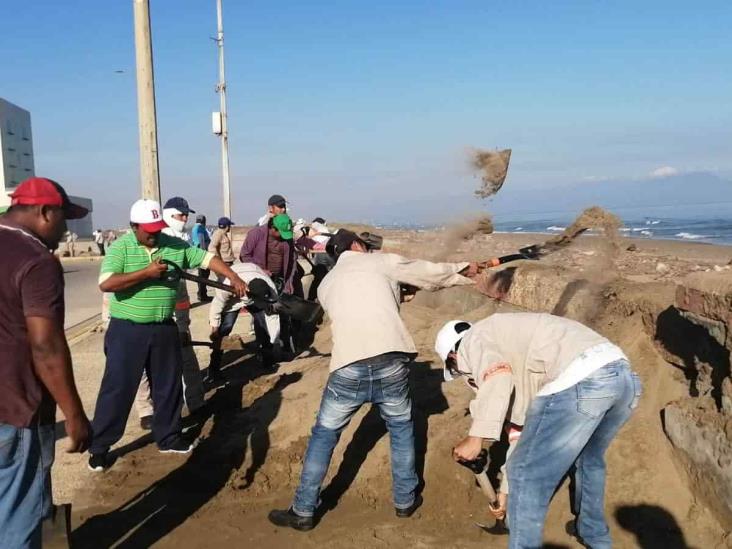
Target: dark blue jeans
point(26, 456)
point(382, 380)
point(572, 427)
point(228, 321)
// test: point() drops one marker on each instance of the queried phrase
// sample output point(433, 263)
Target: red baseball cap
point(45, 192)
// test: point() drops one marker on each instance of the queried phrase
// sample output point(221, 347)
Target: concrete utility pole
point(146, 102)
point(224, 131)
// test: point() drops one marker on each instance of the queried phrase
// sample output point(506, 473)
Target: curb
point(89, 258)
point(81, 330)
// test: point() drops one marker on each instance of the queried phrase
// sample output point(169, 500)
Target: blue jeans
point(572, 427)
point(26, 456)
point(382, 380)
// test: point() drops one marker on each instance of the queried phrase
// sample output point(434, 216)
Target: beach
point(252, 444)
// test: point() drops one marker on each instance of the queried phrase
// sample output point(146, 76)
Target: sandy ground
point(250, 454)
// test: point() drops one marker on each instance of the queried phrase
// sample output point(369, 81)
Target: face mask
point(176, 224)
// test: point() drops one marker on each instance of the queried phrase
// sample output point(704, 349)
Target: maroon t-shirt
point(31, 284)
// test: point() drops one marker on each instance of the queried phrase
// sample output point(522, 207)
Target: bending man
point(566, 388)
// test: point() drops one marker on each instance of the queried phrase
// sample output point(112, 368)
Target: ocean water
point(708, 223)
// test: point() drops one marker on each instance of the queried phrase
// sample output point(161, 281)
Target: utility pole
point(223, 130)
point(147, 120)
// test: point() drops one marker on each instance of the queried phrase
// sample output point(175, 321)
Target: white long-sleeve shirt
point(225, 302)
point(361, 296)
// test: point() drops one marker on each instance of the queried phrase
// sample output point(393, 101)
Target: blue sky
point(343, 105)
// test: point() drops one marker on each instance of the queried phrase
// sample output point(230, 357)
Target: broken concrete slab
point(704, 451)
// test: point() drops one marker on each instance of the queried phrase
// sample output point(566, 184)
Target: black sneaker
point(146, 423)
point(180, 446)
point(98, 462)
point(409, 511)
point(288, 519)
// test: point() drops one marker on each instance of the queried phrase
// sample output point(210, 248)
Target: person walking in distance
point(99, 240)
point(200, 238)
point(175, 213)
point(142, 335)
point(562, 391)
point(221, 244)
point(35, 362)
point(369, 363)
point(71, 243)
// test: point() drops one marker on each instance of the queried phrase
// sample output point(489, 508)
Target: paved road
point(83, 298)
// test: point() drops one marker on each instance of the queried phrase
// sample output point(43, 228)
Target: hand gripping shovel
point(479, 467)
point(260, 293)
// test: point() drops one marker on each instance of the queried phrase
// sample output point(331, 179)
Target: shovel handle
point(180, 273)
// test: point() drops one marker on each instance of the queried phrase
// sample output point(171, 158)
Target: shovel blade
point(498, 529)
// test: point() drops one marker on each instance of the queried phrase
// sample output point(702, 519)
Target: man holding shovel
point(566, 388)
point(370, 357)
point(142, 335)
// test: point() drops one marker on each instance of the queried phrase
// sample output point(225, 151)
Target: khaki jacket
point(221, 245)
point(516, 354)
point(361, 296)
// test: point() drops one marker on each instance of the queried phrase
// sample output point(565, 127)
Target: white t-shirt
point(588, 362)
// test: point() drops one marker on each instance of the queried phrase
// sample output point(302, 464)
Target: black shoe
point(146, 423)
point(205, 299)
point(180, 446)
point(409, 511)
point(288, 519)
point(99, 462)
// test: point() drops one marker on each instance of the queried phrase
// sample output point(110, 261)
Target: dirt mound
point(493, 168)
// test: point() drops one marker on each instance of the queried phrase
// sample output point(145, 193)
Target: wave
point(692, 236)
point(646, 233)
point(555, 228)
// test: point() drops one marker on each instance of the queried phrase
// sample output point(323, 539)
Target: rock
point(706, 294)
point(705, 452)
point(632, 248)
point(662, 268)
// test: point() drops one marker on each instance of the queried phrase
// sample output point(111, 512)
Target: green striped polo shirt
point(152, 300)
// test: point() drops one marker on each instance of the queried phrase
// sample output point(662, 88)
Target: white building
point(16, 148)
point(16, 145)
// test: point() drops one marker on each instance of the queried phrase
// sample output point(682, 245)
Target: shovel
point(260, 293)
point(479, 468)
point(177, 273)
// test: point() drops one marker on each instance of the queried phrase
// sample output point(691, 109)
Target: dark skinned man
point(35, 363)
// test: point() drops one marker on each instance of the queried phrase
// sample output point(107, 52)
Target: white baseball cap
point(147, 214)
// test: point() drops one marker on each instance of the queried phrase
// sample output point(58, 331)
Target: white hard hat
point(448, 336)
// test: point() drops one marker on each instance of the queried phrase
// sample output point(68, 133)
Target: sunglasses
point(451, 365)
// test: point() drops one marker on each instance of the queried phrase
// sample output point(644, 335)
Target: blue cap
point(225, 222)
point(180, 204)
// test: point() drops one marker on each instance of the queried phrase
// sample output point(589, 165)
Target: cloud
point(664, 171)
point(595, 179)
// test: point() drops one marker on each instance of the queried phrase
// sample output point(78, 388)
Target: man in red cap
point(142, 334)
point(35, 363)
